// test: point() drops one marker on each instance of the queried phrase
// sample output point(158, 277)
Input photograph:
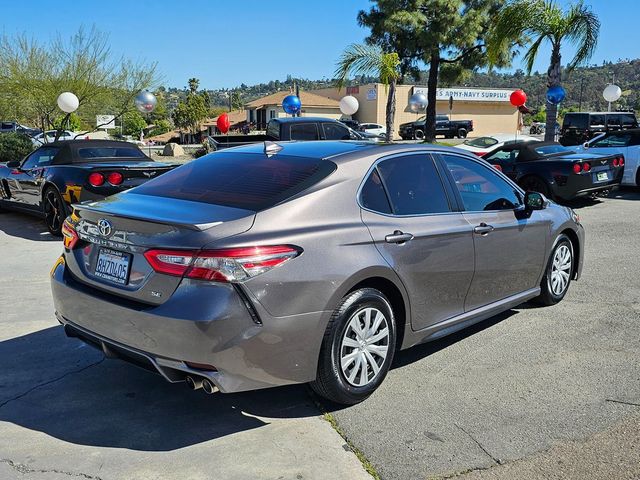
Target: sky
point(226, 43)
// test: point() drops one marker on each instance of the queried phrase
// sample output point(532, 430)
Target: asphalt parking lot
point(535, 392)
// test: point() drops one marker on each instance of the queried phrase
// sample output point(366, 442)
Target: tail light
point(497, 167)
point(615, 162)
point(115, 178)
point(479, 153)
point(621, 161)
point(69, 235)
point(577, 168)
point(586, 166)
point(96, 179)
point(224, 265)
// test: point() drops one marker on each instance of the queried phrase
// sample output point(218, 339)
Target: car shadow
point(61, 387)
point(626, 193)
point(23, 225)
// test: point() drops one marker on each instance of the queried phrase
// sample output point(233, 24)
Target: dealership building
point(488, 108)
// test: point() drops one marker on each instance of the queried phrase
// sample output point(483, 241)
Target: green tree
point(372, 60)
point(133, 123)
point(14, 146)
point(447, 35)
point(194, 83)
point(538, 21)
point(189, 114)
point(33, 74)
point(160, 127)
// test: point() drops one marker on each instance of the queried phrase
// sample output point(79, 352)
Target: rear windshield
point(109, 152)
point(240, 180)
point(481, 142)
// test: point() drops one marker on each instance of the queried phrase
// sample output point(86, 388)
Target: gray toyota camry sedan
point(274, 264)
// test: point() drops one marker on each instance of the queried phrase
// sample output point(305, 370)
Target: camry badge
point(105, 228)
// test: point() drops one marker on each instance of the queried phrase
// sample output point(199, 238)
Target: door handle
point(483, 229)
point(398, 237)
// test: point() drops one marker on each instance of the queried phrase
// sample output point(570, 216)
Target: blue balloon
point(556, 94)
point(291, 104)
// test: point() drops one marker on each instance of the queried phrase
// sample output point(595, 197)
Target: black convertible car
point(58, 174)
point(556, 171)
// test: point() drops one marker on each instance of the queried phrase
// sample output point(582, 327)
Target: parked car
point(483, 145)
point(444, 126)
point(15, 127)
point(580, 127)
point(373, 128)
point(313, 262)
point(624, 142)
point(58, 174)
point(50, 136)
point(557, 171)
point(291, 128)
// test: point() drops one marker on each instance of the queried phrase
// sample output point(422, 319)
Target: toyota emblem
point(104, 226)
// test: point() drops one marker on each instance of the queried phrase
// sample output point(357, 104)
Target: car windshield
point(481, 142)
point(618, 140)
point(547, 150)
point(240, 180)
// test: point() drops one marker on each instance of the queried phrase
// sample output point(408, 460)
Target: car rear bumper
point(579, 186)
point(201, 323)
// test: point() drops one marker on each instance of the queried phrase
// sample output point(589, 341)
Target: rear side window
point(628, 120)
point(304, 131)
point(109, 152)
point(373, 196)
point(596, 120)
point(240, 180)
point(576, 120)
point(273, 130)
point(413, 185)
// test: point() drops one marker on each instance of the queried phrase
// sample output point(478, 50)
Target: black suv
point(579, 127)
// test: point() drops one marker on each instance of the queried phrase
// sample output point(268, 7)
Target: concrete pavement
point(65, 412)
point(521, 383)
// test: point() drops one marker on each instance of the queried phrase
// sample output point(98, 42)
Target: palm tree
point(537, 21)
point(372, 60)
point(194, 83)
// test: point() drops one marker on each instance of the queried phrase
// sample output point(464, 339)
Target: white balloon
point(349, 105)
point(612, 93)
point(68, 102)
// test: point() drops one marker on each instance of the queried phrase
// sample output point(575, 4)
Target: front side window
point(413, 185)
point(480, 188)
point(552, 149)
point(40, 158)
point(576, 120)
point(333, 131)
point(597, 120)
point(304, 131)
point(481, 142)
point(508, 155)
point(273, 130)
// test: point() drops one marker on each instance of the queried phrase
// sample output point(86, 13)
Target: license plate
point(602, 176)
point(113, 266)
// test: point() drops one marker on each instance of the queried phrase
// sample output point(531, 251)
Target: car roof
point(302, 119)
point(599, 113)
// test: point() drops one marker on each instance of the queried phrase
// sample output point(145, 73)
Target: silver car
point(274, 264)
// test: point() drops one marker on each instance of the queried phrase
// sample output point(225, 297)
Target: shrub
point(14, 146)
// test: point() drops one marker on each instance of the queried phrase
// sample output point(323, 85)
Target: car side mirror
point(585, 144)
point(534, 201)
point(13, 164)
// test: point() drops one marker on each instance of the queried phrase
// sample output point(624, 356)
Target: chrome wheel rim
point(364, 347)
point(52, 211)
point(560, 270)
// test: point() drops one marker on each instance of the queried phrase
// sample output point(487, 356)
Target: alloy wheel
point(364, 346)
point(560, 270)
point(52, 211)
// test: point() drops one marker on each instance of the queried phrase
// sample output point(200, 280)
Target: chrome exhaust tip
point(208, 386)
point(193, 383)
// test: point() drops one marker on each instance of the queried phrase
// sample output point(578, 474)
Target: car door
point(509, 248)
point(25, 182)
point(409, 214)
point(335, 131)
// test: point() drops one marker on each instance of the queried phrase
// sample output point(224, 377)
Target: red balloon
point(223, 123)
point(518, 98)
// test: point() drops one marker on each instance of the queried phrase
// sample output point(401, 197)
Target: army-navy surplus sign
point(469, 94)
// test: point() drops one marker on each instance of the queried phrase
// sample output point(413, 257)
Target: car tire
point(533, 183)
point(362, 329)
point(558, 273)
point(54, 210)
point(418, 135)
point(462, 133)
